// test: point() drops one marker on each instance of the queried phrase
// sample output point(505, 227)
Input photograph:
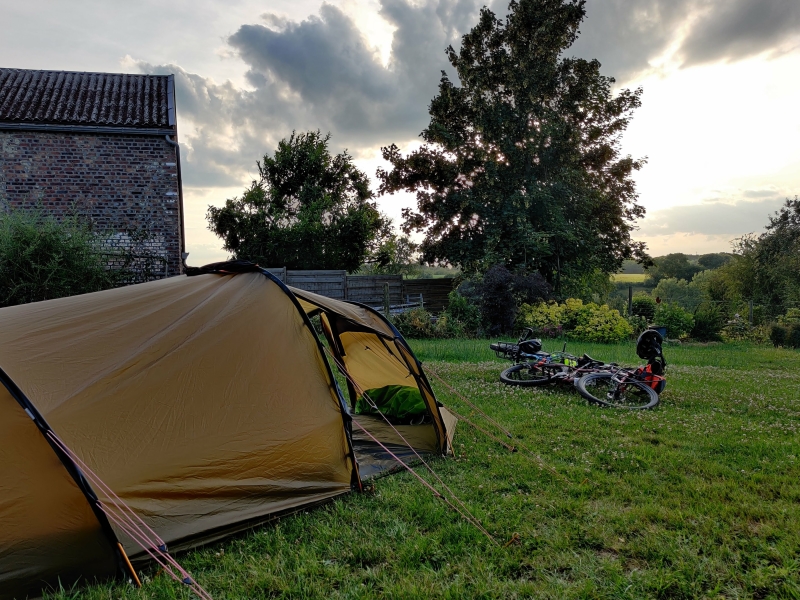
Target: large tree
point(307, 210)
point(521, 161)
point(766, 269)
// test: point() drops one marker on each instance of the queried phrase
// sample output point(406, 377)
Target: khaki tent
point(205, 402)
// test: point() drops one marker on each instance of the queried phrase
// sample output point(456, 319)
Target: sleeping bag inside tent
point(206, 402)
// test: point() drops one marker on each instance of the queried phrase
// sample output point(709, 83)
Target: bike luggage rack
point(505, 349)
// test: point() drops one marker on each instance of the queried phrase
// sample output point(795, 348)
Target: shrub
point(637, 323)
point(686, 295)
point(42, 258)
point(589, 322)
point(739, 329)
point(414, 323)
point(447, 326)
point(792, 316)
point(793, 336)
point(600, 324)
point(707, 323)
point(500, 292)
point(777, 335)
point(462, 309)
point(643, 306)
point(677, 321)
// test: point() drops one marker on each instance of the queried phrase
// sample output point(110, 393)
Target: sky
point(719, 121)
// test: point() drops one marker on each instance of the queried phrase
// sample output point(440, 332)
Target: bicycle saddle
point(586, 360)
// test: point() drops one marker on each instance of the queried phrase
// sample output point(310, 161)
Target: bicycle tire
point(599, 388)
point(529, 375)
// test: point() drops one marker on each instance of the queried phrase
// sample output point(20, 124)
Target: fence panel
point(434, 292)
point(279, 272)
point(368, 289)
point(332, 284)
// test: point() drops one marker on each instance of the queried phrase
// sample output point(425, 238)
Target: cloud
point(627, 36)
point(713, 218)
point(320, 72)
point(736, 29)
point(634, 37)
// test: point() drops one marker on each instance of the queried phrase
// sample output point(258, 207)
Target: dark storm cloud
point(625, 35)
point(736, 29)
point(716, 217)
point(325, 63)
point(318, 73)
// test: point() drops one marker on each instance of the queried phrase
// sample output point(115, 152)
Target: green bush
point(590, 322)
point(42, 258)
point(460, 309)
point(793, 336)
point(792, 316)
point(414, 323)
point(677, 321)
point(778, 334)
point(601, 324)
point(686, 295)
point(643, 306)
point(637, 323)
point(708, 323)
point(447, 326)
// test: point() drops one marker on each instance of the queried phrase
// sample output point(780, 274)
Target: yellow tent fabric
point(206, 403)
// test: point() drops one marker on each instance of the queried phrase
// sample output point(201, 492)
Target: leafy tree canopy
point(307, 210)
point(766, 268)
point(397, 255)
point(714, 260)
point(674, 265)
point(521, 163)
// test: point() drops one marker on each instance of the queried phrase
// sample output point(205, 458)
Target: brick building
point(102, 145)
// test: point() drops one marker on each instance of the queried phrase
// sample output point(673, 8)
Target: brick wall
point(125, 183)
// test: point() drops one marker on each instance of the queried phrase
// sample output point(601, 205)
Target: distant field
point(628, 278)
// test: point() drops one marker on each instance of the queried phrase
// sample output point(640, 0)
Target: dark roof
point(68, 98)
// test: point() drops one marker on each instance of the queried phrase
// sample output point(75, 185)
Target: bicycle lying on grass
point(605, 384)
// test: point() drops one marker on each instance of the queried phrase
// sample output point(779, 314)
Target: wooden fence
point(368, 289)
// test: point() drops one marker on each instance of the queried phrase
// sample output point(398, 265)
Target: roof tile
point(73, 98)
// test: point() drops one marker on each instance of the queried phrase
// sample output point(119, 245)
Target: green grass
point(699, 498)
point(628, 277)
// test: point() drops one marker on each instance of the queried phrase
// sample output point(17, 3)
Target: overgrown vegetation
point(699, 498)
point(42, 258)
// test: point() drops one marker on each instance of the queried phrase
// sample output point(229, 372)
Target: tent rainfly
point(206, 402)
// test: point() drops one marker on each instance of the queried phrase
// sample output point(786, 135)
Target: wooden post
point(630, 300)
point(750, 313)
point(386, 298)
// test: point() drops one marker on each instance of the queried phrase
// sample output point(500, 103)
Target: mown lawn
point(699, 498)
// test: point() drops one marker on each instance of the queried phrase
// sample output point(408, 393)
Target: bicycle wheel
point(530, 374)
point(601, 389)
